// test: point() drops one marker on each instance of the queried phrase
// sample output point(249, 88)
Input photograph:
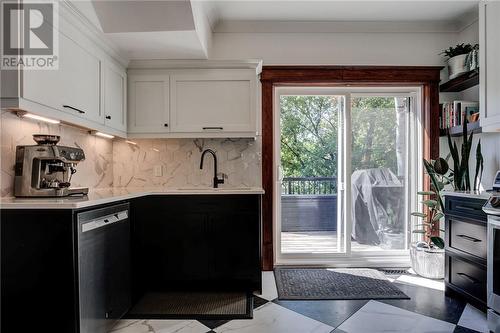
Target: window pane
point(309, 161)
point(379, 173)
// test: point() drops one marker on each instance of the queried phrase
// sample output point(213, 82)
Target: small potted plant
point(427, 256)
point(457, 57)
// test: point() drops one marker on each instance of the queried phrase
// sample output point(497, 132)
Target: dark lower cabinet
point(204, 242)
point(56, 278)
point(466, 247)
point(37, 271)
point(70, 271)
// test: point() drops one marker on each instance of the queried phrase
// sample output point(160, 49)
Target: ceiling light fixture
point(36, 117)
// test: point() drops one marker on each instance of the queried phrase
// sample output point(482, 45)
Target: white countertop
point(109, 195)
point(468, 194)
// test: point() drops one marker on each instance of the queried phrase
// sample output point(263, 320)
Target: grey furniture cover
point(377, 205)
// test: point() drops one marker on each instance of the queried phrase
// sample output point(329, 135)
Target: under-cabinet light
point(131, 142)
point(40, 118)
point(104, 135)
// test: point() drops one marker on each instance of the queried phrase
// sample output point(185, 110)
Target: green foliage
point(438, 174)
point(461, 174)
point(309, 126)
point(309, 134)
point(458, 50)
point(479, 166)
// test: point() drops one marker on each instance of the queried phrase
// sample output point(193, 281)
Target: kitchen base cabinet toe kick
point(83, 269)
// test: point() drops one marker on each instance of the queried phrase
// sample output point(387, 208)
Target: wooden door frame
point(426, 77)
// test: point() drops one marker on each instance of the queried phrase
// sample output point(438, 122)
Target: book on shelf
point(453, 113)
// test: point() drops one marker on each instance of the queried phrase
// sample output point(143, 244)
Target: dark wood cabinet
point(466, 247)
point(196, 242)
point(48, 271)
point(37, 271)
point(202, 242)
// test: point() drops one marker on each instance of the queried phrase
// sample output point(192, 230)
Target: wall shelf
point(457, 130)
point(460, 83)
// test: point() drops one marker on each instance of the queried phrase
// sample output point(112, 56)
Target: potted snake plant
point(427, 256)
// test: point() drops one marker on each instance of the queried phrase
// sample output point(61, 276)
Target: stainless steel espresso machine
point(45, 169)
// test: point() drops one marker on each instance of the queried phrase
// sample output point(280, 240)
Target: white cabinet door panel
point(490, 65)
point(213, 102)
point(148, 104)
point(115, 109)
point(80, 81)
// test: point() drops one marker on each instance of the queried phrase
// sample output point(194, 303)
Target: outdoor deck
point(317, 242)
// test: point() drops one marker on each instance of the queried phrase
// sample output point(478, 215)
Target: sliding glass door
point(309, 164)
point(343, 173)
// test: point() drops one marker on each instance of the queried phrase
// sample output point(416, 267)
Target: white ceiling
point(332, 10)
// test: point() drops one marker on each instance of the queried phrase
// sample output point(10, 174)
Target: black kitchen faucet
point(217, 181)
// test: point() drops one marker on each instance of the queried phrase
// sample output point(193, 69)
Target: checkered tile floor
point(428, 310)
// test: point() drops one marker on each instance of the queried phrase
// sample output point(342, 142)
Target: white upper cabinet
point(213, 101)
point(193, 99)
point(80, 83)
point(115, 97)
point(73, 88)
point(88, 88)
point(148, 105)
point(489, 28)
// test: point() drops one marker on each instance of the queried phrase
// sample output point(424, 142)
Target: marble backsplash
point(179, 162)
point(120, 164)
point(95, 172)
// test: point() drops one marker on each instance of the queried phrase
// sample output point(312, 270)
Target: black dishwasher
point(103, 267)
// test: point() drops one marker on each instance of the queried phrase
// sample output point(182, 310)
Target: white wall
point(333, 48)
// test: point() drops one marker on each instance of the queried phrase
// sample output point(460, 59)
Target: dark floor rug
point(334, 283)
point(193, 305)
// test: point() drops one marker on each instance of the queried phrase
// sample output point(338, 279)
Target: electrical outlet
point(158, 171)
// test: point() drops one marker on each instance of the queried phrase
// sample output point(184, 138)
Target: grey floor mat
point(334, 283)
point(193, 305)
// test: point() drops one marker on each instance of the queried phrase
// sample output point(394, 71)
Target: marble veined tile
point(269, 290)
point(159, 326)
point(377, 317)
point(272, 318)
point(473, 319)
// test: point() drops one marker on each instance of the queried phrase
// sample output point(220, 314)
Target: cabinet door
point(236, 244)
point(80, 81)
point(490, 66)
point(222, 101)
point(115, 110)
point(148, 103)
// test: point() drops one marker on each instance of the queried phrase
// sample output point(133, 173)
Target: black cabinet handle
point(166, 125)
point(108, 117)
point(213, 128)
point(466, 208)
point(73, 108)
point(468, 277)
point(469, 238)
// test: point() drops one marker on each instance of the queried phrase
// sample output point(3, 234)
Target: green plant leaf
point(438, 241)
point(430, 203)
point(419, 214)
point(437, 217)
point(427, 224)
point(426, 193)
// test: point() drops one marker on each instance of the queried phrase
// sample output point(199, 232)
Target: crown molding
point(336, 27)
point(255, 64)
